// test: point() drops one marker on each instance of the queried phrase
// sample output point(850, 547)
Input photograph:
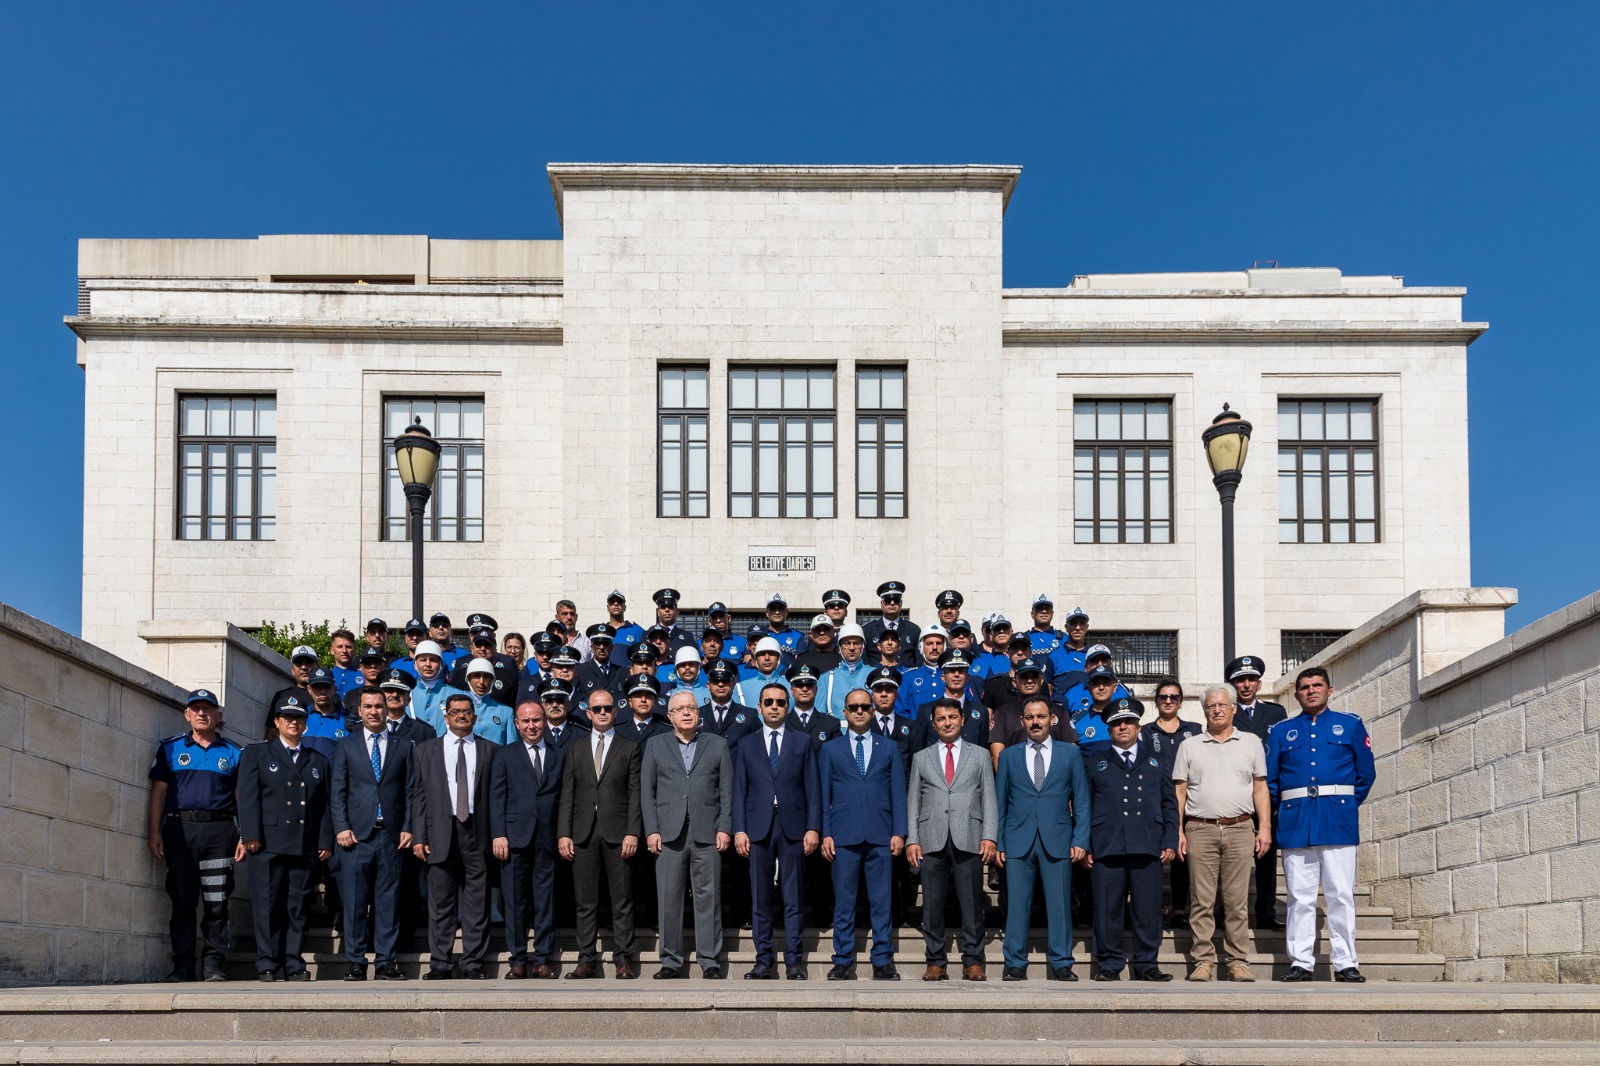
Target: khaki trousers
point(1220, 860)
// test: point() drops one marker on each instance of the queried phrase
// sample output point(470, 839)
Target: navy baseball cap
point(201, 695)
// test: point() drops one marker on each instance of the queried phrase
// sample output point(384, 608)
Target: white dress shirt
point(543, 758)
point(1049, 746)
point(383, 744)
point(866, 748)
point(610, 736)
point(451, 744)
point(769, 733)
point(955, 753)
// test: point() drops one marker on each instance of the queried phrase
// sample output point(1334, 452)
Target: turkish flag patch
point(1369, 743)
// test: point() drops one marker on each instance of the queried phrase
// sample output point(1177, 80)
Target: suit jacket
point(1056, 816)
point(284, 804)
point(608, 807)
point(974, 725)
point(654, 726)
point(856, 809)
point(822, 728)
point(700, 798)
point(413, 729)
point(432, 804)
point(356, 796)
point(963, 813)
point(732, 729)
point(570, 731)
point(521, 806)
point(792, 797)
point(1132, 812)
point(1262, 718)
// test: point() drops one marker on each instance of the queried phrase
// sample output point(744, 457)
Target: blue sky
point(1453, 143)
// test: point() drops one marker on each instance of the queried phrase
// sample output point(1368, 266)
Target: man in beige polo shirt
point(1221, 779)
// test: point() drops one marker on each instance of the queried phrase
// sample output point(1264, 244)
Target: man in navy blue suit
point(372, 827)
point(863, 789)
point(1043, 798)
point(524, 794)
point(777, 820)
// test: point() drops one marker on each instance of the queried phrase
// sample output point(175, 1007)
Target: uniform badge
point(223, 763)
point(315, 773)
point(1101, 765)
point(272, 767)
point(498, 685)
point(1088, 733)
point(496, 718)
point(1338, 730)
point(1152, 762)
point(337, 733)
point(905, 730)
point(1292, 734)
point(183, 759)
point(739, 718)
point(974, 716)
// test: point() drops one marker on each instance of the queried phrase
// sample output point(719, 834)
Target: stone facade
point(718, 266)
point(1483, 828)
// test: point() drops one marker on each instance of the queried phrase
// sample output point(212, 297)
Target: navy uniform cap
point(438, 618)
point(555, 688)
point(1244, 666)
point(949, 598)
point(290, 707)
point(643, 683)
point(722, 670)
point(1121, 710)
point(481, 633)
point(373, 655)
point(1019, 640)
point(642, 653)
point(1101, 672)
point(377, 624)
point(546, 643)
point(884, 675)
point(1078, 612)
point(201, 695)
point(1030, 665)
point(891, 588)
point(396, 679)
point(658, 630)
point(416, 625)
point(801, 672)
point(666, 597)
point(833, 596)
point(320, 676)
point(601, 631)
point(556, 627)
point(955, 659)
point(888, 634)
point(567, 656)
point(960, 625)
point(717, 608)
point(480, 619)
point(617, 596)
point(712, 631)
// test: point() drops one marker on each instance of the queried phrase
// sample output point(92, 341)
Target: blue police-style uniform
point(788, 638)
point(408, 663)
point(199, 839)
point(991, 664)
point(346, 678)
point(748, 691)
point(924, 684)
point(840, 682)
point(495, 721)
point(702, 693)
point(427, 701)
point(1077, 697)
point(629, 636)
point(1305, 756)
point(449, 655)
point(734, 647)
point(1044, 641)
point(1093, 735)
point(323, 732)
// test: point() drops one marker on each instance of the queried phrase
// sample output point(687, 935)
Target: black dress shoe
point(1350, 976)
point(389, 972)
point(356, 973)
point(267, 977)
point(475, 975)
point(1014, 973)
point(798, 973)
point(841, 973)
point(1063, 974)
point(436, 974)
point(1295, 975)
point(669, 973)
point(297, 975)
point(180, 975)
point(762, 973)
point(1268, 921)
point(713, 973)
point(1151, 975)
point(215, 975)
point(1108, 975)
point(886, 972)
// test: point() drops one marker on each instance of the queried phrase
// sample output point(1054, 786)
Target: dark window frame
point(1121, 447)
point(205, 442)
point(878, 418)
point(432, 522)
point(683, 417)
point(1298, 646)
point(1301, 447)
point(1141, 647)
point(810, 417)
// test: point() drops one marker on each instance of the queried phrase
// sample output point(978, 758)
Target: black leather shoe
point(1108, 975)
point(1295, 975)
point(434, 974)
point(391, 972)
point(762, 973)
point(886, 972)
point(215, 975)
point(797, 973)
point(713, 973)
point(1267, 921)
point(669, 973)
point(1063, 974)
point(475, 975)
point(841, 973)
point(1151, 975)
point(180, 975)
point(267, 977)
point(1350, 976)
point(356, 973)
point(1014, 973)
point(297, 975)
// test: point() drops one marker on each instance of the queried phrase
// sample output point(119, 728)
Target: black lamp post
point(1227, 441)
point(416, 454)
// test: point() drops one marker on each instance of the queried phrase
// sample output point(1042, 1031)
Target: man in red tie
point(953, 823)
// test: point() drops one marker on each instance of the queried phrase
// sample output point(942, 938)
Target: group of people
point(754, 775)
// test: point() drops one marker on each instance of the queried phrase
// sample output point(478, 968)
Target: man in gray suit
point(686, 794)
point(953, 821)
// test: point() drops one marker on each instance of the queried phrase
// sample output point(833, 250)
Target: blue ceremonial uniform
point(323, 733)
point(495, 720)
point(837, 683)
point(1303, 752)
point(748, 691)
point(427, 701)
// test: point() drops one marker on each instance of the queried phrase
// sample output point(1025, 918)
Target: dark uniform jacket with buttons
point(284, 803)
point(820, 726)
point(1260, 718)
point(1131, 812)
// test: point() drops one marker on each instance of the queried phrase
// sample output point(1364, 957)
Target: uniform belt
point(201, 816)
point(1313, 791)
point(1235, 820)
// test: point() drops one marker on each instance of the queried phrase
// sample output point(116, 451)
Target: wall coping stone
point(32, 629)
point(1573, 616)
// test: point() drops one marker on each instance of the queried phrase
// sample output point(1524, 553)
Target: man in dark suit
point(863, 791)
point(396, 688)
point(284, 822)
point(372, 826)
point(884, 683)
point(1044, 828)
point(686, 798)
point(450, 819)
point(777, 824)
point(820, 727)
point(1133, 831)
point(732, 721)
point(891, 597)
point(1258, 717)
point(524, 797)
point(598, 829)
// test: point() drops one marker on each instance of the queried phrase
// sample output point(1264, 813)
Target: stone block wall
point(80, 897)
point(1483, 828)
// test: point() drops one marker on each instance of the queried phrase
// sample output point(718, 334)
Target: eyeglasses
point(597, 708)
point(1169, 698)
point(803, 683)
point(552, 699)
point(858, 706)
point(774, 703)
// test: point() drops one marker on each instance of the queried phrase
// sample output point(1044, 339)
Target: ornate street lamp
point(416, 454)
point(1227, 441)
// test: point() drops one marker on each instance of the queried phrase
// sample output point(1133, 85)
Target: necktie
point(720, 712)
point(599, 755)
point(1127, 759)
point(1038, 765)
point(294, 756)
point(538, 765)
point(772, 750)
point(377, 767)
point(949, 764)
point(861, 756)
point(461, 779)
point(883, 725)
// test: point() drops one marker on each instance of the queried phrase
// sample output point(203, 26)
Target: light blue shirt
point(748, 691)
point(838, 682)
point(866, 747)
point(427, 701)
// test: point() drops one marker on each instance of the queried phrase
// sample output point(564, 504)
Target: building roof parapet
point(1166, 332)
point(96, 326)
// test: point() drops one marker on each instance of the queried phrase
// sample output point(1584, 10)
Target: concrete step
point(720, 1022)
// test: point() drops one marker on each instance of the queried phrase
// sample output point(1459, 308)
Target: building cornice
point(97, 327)
point(565, 176)
point(1230, 294)
point(1025, 333)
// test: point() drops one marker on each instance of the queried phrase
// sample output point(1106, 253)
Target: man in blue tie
point(863, 784)
point(1043, 800)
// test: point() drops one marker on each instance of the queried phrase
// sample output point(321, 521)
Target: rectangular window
point(1140, 657)
point(681, 443)
point(780, 442)
point(1122, 472)
point(1327, 471)
point(880, 442)
point(455, 511)
point(1299, 645)
point(227, 468)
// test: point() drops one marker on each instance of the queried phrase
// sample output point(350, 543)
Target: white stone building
point(678, 297)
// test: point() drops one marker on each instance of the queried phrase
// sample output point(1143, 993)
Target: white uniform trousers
point(1334, 869)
